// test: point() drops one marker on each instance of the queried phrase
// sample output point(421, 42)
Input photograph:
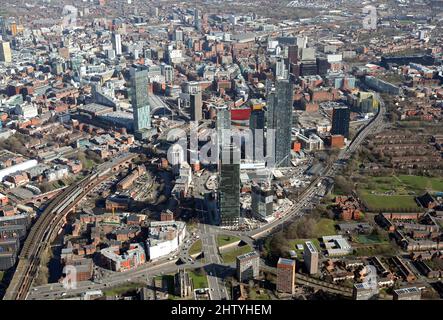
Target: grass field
point(423, 183)
point(231, 255)
point(402, 185)
point(368, 239)
point(196, 247)
point(376, 249)
point(388, 202)
point(325, 227)
point(199, 280)
point(223, 240)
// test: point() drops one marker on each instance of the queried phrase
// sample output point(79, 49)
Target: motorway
point(208, 235)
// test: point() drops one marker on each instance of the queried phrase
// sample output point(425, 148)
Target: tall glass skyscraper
point(139, 99)
point(257, 125)
point(223, 126)
point(340, 121)
point(229, 188)
point(279, 119)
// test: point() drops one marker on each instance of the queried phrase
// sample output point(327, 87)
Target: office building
point(280, 121)
point(117, 43)
point(293, 54)
point(322, 66)
point(183, 284)
point(262, 205)
point(308, 68)
point(178, 35)
point(229, 187)
point(248, 266)
point(410, 293)
point(140, 101)
point(307, 54)
point(196, 103)
point(340, 121)
point(281, 71)
point(285, 275)
point(310, 256)
point(302, 42)
point(168, 72)
point(5, 52)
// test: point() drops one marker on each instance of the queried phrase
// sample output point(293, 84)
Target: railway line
point(51, 220)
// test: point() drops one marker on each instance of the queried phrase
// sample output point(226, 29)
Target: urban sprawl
point(221, 150)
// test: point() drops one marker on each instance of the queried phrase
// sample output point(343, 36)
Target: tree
point(343, 186)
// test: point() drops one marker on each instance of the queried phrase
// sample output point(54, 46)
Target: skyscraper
point(229, 188)
point(168, 72)
point(223, 126)
point(139, 100)
point(293, 54)
point(281, 71)
point(183, 284)
point(310, 256)
point(248, 266)
point(257, 125)
point(280, 120)
point(196, 106)
point(5, 52)
point(340, 121)
point(117, 43)
point(262, 204)
point(285, 275)
point(197, 21)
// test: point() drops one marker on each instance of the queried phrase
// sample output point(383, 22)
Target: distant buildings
point(286, 275)
point(310, 256)
point(117, 43)
point(5, 52)
point(382, 86)
point(340, 121)
point(248, 266)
